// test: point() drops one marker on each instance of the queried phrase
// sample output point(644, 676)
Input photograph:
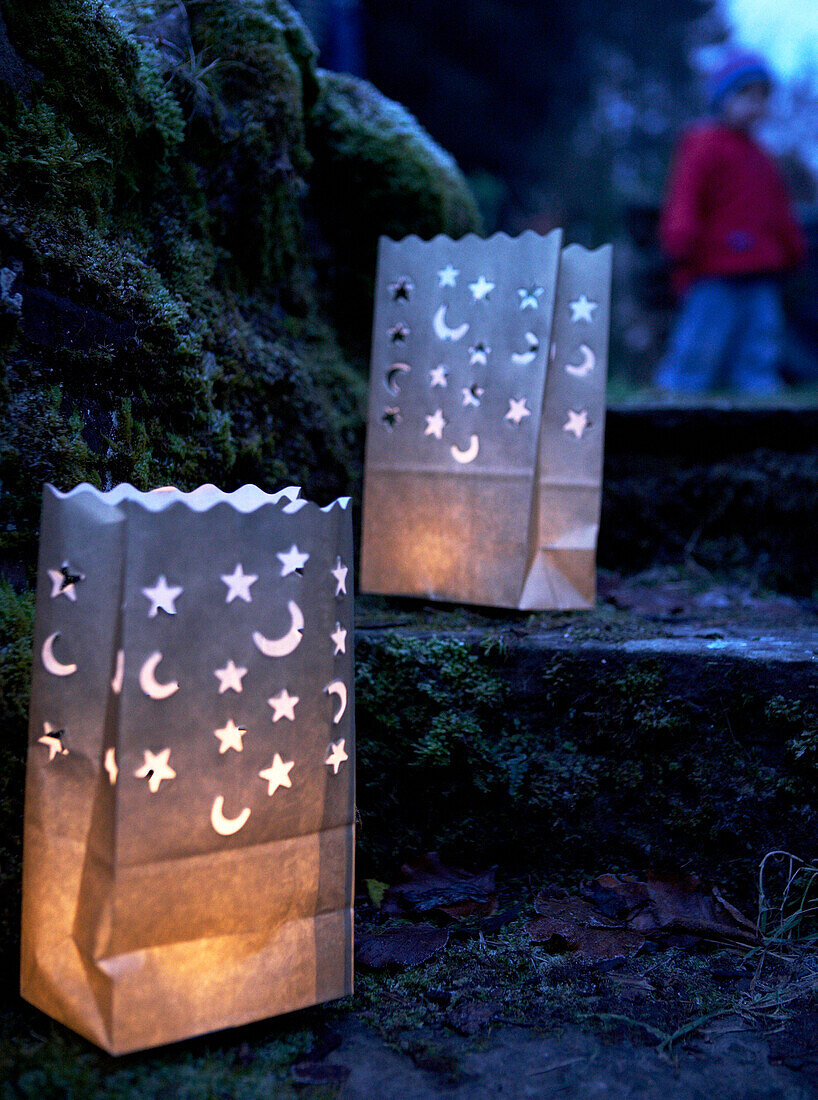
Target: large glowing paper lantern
point(189, 792)
point(486, 416)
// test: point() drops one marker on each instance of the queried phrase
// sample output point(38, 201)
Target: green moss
point(798, 723)
point(252, 152)
point(529, 987)
point(569, 764)
point(46, 1060)
point(16, 625)
point(101, 129)
point(173, 327)
point(432, 716)
point(158, 255)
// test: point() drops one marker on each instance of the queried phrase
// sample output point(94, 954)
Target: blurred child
point(728, 228)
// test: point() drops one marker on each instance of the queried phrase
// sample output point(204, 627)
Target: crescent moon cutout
point(226, 826)
point(442, 330)
point(339, 688)
point(391, 381)
point(119, 672)
point(522, 359)
point(148, 682)
point(586, 366)
point(470, 453)
point(50, 662)
point(280, 647)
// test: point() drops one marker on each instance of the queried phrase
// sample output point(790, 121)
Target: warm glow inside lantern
point(486, 415)
point(189, 811)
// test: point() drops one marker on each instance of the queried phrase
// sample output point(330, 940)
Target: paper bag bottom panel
point(463, 539)
point(89, 962)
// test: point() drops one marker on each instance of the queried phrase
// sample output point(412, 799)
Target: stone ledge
point(732, 488)
point(601, 742)
point(709, 431)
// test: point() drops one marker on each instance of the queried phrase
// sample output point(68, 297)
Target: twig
point(557, 1065)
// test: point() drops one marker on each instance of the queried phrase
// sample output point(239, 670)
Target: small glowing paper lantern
point(189, 792)
point(486, 414)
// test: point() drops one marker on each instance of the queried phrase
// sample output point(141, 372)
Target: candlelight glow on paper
point(458, 430)
point(203, 701)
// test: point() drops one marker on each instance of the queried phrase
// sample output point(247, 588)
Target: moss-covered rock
point(99, 128)
point(161, 319)
point(563, 760)
point(376, 171)
point(16, 624)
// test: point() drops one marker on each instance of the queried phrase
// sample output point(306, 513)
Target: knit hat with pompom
point(738, 70)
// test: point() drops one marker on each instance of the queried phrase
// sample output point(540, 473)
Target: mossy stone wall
point(163, 318)
point(564, 761)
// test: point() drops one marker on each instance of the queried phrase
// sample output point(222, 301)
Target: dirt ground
point(728, 1061)
point(492, 1014)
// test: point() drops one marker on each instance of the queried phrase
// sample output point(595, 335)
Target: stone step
point(565, 743)
point(730, 487)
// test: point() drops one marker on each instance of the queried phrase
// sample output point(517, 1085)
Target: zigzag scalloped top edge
point(248, 498)
point(527, 233)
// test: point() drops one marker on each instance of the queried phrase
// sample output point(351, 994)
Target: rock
point(169, 33)
point(376, 172)
point(14, 72)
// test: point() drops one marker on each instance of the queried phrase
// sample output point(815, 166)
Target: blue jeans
point(729, 332)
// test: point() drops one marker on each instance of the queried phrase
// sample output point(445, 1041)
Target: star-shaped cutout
point(481, 289)
point(435, 424)
point(63, 583)
point(517, 410)
point(472, 395)
point(52, 739)
point(401, 289)
point(577, 422)
point(293, 561)
point(163, 596)
point(581, 309)
point(238, 584)
point(230, 736)
point(283, 705)
point(479, 354)
point(339, 637)
point(437, 376)
point(340, 573)
point(528, 297)
point(155, 769)
point(110, 765)
point(398, 333)
point(229, 677)
point(391, 416)
point(59, 587)
point(447, 276)
point(336, 755)
point(277, 775)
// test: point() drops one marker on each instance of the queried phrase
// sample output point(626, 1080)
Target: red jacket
point(727, 211)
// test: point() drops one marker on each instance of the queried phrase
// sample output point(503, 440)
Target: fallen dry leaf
point(663, 904)
point(597, 944)
point(405, 946)
point(616, 914)
point(429, 884)
point(574, 924)
point(576, 910)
